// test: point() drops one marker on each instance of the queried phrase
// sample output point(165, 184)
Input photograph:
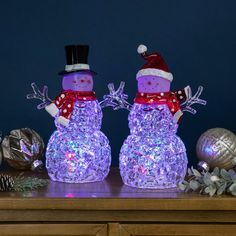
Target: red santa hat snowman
point(155, 65)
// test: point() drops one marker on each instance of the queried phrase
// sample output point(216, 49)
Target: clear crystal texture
point(152, 156)
point(80, 152)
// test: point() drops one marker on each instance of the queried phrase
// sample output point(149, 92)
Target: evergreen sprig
point(217, 182)
point(23, 184)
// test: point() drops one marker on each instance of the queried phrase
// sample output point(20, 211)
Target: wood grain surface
point(110, 194)
point(113, 209)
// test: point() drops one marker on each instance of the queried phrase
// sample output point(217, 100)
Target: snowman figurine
point(77, 152)
point(153, 156)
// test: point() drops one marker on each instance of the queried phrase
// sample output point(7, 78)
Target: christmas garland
point(217, 182)
point(20, 183)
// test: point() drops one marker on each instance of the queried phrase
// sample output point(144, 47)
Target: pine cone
point(6, 183)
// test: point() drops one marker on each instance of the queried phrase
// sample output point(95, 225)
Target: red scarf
point(168, 98)
point(66, 100)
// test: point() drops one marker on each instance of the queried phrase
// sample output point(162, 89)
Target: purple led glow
point(153, 84)
point(80, 152)
point(69, 195)
point(152, 156)
point(79, 81)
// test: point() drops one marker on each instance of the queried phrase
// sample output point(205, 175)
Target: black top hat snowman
point(76, 59)
point(77, 83)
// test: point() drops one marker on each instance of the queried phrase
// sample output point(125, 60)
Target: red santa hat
point(155, 65)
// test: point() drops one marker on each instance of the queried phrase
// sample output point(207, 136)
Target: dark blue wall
point(197, 39)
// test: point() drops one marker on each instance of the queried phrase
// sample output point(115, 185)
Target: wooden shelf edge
point(118, 204)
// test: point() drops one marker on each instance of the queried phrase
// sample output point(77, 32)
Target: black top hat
point(76, 59)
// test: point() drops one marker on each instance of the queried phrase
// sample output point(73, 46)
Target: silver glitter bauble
point(217, 147)
point(23, 149)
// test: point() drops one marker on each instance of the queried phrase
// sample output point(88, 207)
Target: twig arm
point(116, 99)
point(40, 95)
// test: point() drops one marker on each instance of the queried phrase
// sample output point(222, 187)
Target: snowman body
point(78, 152)
point(153, 156)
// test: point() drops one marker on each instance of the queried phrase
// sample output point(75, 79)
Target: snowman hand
point(40, 95)
point(186, 106)
point(116, 98)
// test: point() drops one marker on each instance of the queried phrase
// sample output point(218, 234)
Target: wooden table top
point(110, 194)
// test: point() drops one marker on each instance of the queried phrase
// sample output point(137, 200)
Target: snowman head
point(154, 76)
point(153, 84)
point(78, 81)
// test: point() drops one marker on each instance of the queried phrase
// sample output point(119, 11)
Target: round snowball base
point(90, 179)
point(72, 157)
point(153, 163)
point(149, 186)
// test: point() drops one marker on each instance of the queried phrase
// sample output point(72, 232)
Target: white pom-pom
point(141, 49)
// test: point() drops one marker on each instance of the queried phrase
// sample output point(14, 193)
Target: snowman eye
point(149, 82)
point(82, 81)
point(74, 81)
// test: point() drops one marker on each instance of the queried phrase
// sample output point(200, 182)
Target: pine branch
point(23, 184)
